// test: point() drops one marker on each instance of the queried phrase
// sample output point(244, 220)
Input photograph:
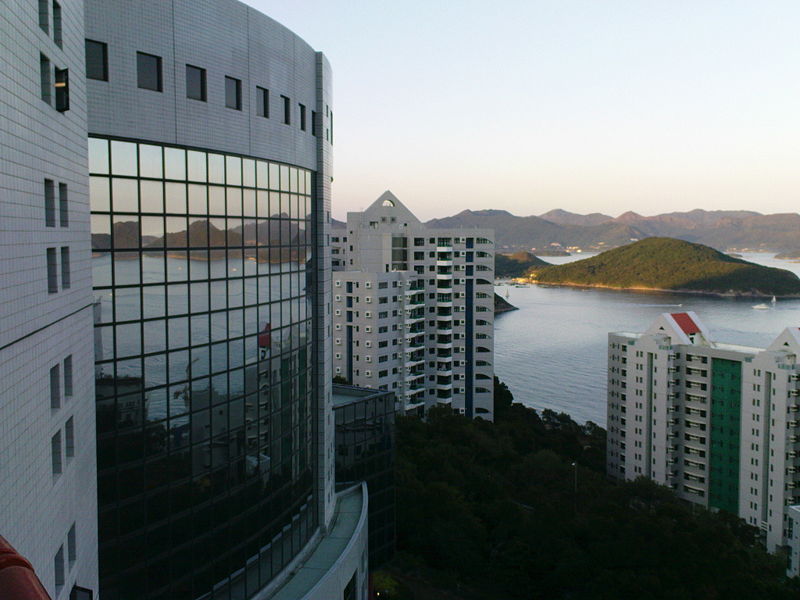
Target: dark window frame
point(103, 48)
point(202, 94)
point(287, 110)
point(234, 102)
point(262, 102)
point(142, 72)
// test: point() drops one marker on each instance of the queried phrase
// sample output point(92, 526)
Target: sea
point(552, 351)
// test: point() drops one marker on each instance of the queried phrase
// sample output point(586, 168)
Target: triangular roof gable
point(680, 326)
point(789, 339)
point(388, 204)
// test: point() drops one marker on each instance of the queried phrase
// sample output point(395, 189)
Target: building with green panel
point(718, 423)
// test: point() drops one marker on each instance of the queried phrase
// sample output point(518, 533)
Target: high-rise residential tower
point(48, 481)
point(413, 309)
point(716, 422)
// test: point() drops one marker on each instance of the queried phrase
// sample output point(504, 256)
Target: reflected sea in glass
point(552, 352)
point(203, 328)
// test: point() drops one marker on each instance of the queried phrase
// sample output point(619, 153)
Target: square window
point(262, 102)
point(148, 69)
point(195, 83)
point(233, 93)
point(96, 60)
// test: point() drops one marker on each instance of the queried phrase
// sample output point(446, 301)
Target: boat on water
point(774, 300)
point(761, 307)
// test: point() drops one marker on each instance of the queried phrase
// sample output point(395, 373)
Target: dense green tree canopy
point(496, 507)
point(670, 264)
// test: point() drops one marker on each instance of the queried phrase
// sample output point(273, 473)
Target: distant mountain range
point(720, 229)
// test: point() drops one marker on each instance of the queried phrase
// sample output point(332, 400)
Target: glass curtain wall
point(203, 338)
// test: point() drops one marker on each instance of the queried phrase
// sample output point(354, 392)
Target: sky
point(585, 105)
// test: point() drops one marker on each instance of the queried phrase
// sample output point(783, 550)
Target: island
point(516, 264)
point(671, 265)
point(789, 255)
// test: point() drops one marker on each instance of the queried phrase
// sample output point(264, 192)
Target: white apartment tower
point(48, 485)
point(716, 422)
point(414, 309)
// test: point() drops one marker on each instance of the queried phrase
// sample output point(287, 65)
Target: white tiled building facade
point(48, 485)
point(217, 103)
point(716, 422)
point(413, 309)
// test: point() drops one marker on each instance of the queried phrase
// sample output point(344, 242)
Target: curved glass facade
point(203, 375)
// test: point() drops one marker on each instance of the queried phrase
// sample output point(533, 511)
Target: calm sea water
point(552, 352)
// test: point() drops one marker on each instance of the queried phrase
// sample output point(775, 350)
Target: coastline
point(728, 294)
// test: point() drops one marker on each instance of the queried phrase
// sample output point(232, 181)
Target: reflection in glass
point(125, 194)
point(233, 170)
point(216, 168)
point(123, 158)
point(196, 165)
point(216, 200)
point(150, 161)
point(256, 410)
point(152, 196)
point(197, 199)
point(152, 232)
point(176, 198)
point(98, 156)
point(127, 304)
point(153, 267)
point(174, 163)
point(99, 194)
point(153, 301)
point(248, 172)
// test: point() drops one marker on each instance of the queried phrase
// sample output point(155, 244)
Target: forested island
point(516, 264)
point(521, 508)
point(667, 264)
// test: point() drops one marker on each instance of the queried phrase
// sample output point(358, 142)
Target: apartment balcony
point(444, 246)
point(444, 345)
point(444, 353)
point(444, 394)
point(444, 277)
point(444, 326)
point(447, 262)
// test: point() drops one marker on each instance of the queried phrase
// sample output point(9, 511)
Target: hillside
point(534, 232)
point(522, 509)
point(670, 264)
point(517, 264)
point(564, 217)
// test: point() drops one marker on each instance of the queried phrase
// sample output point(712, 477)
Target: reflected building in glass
point(210, 134)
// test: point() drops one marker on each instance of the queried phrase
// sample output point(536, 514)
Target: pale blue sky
point(585, 105)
